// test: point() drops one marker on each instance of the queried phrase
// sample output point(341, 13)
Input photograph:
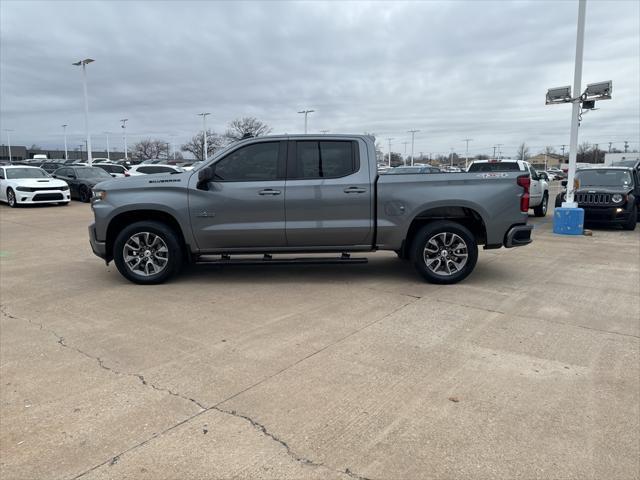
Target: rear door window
point(324, 159)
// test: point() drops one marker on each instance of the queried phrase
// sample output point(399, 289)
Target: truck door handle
point(355, 190)
point(269, 191)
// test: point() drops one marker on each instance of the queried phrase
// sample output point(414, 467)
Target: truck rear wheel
point(541, 210)
point(147, 252)
point(444, 252)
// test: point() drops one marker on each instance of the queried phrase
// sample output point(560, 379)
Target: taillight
point(525, 182)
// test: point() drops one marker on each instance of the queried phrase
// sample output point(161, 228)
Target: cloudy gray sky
point(453, 69)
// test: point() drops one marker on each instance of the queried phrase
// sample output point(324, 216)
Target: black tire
point(84, 193)
point(633, 219)
point(426, 236)
point(174, 254)
point(12, 201)
point(541, 210)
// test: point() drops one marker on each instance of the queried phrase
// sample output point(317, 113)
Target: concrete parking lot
point(528, 369)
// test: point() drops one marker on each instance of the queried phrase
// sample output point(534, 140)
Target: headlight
point(64, 187)
point(99, 195)
point(617, 198)
point(24, 189)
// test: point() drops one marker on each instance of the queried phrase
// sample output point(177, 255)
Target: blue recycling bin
point(568, 221)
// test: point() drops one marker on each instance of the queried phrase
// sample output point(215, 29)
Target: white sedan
point(22, 185)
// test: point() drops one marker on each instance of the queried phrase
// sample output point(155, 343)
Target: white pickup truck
point(539, 189)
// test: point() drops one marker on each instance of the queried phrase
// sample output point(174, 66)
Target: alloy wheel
point(445, 254)
point(145, 254)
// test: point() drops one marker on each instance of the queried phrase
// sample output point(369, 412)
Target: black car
point(609, 196)
point(51, 166)
point(81, 180)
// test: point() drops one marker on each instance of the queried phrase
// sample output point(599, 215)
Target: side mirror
point(563, 183)
point(53, 176)
point(204, 177)
point(71, 175)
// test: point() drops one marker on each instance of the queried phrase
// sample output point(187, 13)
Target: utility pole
point(124, 133)
point(563, 152)
point(9, 143)
point(306, 113)
point(610, 143)
point(575, 105)
point(204, 133)
point(494, 152)
point(466, 155)
point(595, 154)
point(626, 146)
point(500, 151)
point(413, 134)
point(64, 130)
point(451, 157)
point(108, 149)
point(389, 140)
point(83, 64)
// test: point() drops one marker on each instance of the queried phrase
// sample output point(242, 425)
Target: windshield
point(91, 172)
point(603, 178)
point(13, 173)
point(494, 167)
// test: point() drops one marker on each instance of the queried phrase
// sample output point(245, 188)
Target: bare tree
point(195, 146)
point(150, 148)
point(523, 152)
point(396, 159)
point(246, 127)
point(549, 150)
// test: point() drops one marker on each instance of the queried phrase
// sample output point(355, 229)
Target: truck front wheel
point(147, 252)
point(444, 252)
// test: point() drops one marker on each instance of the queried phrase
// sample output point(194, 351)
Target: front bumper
point(42, 196)
point(99, 248)
point(606, 215)
point(518, 236)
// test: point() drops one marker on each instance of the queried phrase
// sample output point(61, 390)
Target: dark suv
point(609, 196)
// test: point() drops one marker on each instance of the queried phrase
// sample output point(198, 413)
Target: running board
point(280, 261)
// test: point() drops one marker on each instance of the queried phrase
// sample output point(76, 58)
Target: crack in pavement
point(100, 361)
point(202, 408)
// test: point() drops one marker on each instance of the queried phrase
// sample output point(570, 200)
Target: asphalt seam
point(258, 426)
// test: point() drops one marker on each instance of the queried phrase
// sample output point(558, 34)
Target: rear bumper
point(99, 248)
point(518, 236)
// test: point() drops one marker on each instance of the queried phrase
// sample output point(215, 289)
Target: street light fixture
point(466, 155)
point(83, 64)
point(124, 135)
point(204, 132)
point(306, 113)
point(584, 101)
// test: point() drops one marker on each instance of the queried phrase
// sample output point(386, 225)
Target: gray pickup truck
point(305, 194)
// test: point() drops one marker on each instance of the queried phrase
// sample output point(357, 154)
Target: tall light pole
point(204, 132)
point(83, 64)
point(108, 149)
point(64, 130)
point(404, 160)
point(575, 106)
point(500, 151)
point(306, 113)
point(9, 143)
point(413, 134)
point(389, 140)
point(124, 136)
point(466, 153)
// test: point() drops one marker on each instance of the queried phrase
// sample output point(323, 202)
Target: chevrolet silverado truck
point(302, 195)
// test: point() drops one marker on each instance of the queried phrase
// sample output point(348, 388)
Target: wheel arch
point(122, 220)
point(464, 215)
